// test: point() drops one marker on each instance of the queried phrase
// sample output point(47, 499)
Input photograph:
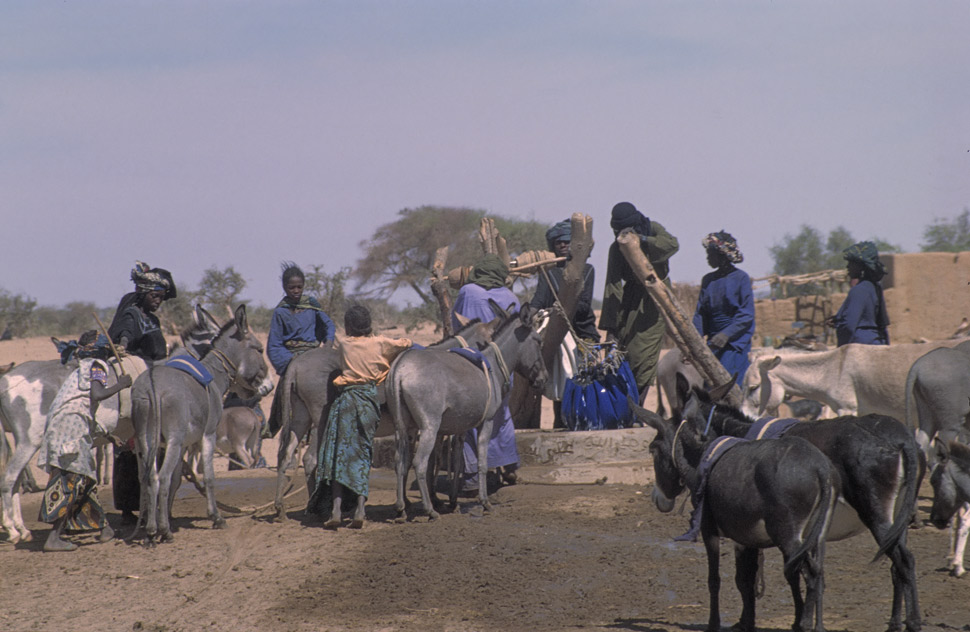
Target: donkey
point(170, 405)
point(432, 392)
point(950, 479)
point(879, 464)
point(760, 494)
point(26, 394)
point(304, 392)
point(936, 394)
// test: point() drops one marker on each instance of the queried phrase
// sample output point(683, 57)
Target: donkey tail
point(829, 485)
point(911, 419)
point(906, 503)
point(154, 438)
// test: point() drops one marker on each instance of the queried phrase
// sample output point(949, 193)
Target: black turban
point(625, 215)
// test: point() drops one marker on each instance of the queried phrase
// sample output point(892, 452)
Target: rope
point(583, 346)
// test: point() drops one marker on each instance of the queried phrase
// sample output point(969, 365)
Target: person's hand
point(124, 381)
point(718, 341)
point(830, 322)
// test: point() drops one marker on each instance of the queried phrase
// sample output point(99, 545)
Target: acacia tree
point(221, 288)
point(948, 236)
point(401, 253)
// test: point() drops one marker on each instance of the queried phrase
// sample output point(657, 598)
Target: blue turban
point(562, 231)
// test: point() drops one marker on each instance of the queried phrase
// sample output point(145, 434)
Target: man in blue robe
point(487, 281)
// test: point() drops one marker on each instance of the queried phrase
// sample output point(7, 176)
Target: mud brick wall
point(927, 296)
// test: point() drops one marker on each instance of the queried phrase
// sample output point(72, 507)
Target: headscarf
point(153, 280)
point(90, 345)
point(865, 252)
point(490, 272)
point(625, 215)
point(563, 231)
point(725, 244)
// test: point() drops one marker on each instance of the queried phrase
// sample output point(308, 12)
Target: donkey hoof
point(433, 515)
point(219, 523)
point(168, 537)
point(400, 519)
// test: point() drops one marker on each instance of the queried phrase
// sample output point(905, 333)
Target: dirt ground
point(563, 557)
point(576, 557)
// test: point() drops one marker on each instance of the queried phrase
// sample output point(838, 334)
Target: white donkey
point(26, 394)
point(173, 410)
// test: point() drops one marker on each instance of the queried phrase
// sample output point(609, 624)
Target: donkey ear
point(462, 320)
point(768, 365)
point(242, 322)
point(528, 315)
point(498, 310)
point(718, 392)
point(645, 416)
point(204, 319)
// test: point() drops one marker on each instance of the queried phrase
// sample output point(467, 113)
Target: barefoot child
point(67, 451)
point(346, 448)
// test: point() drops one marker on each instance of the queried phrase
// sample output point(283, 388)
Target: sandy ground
point(566, 557)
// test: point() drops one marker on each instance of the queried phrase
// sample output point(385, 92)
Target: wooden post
point(439, 287)
point(694, 346)
point(580, 245)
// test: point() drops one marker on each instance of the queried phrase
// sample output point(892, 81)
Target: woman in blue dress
point(725, 307)
point(862, 318)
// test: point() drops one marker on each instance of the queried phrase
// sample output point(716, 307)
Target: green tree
point(329, 289)
point(799, 254)
point(805, 252)
point(15, 314)
point(220, 289)
point(948, 235)
point(401, 253)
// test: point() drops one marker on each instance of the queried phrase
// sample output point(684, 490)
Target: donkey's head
point(236, 342)
point(667, 481)
point(761, 391)
point(528, 361)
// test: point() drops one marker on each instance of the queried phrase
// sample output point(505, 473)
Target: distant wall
point(927, 296)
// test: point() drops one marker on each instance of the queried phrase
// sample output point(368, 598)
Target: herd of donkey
point(892, 415)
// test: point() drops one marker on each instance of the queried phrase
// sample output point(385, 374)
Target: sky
point(194, 135)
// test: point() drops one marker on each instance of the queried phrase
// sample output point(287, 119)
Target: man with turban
point(862, 317)
point(629, 315)
point(583, 321)
point(725, 307)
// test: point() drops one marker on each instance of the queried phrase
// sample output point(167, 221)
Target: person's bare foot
point(55, 543)
point(107, 534)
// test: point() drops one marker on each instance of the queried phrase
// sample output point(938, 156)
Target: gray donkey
point(433, 391)
point(171, 409)
point(304, 394)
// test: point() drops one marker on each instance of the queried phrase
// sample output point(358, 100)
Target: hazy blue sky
point(195, 134)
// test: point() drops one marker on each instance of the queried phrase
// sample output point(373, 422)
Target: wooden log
point(439, 287)
point(694, 346)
